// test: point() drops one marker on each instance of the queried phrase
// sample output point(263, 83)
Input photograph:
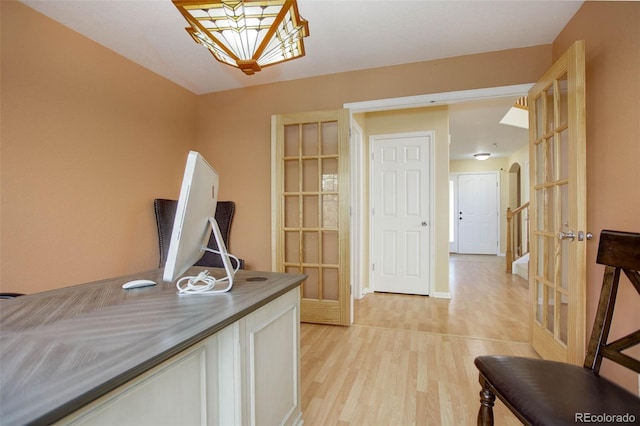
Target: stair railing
point(517, 234)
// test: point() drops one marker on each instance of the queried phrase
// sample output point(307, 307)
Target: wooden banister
point(511, 244)
point(519, 209)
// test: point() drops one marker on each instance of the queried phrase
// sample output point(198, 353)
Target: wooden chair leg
point(487, 399)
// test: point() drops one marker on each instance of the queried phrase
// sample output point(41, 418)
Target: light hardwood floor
point(408, 360)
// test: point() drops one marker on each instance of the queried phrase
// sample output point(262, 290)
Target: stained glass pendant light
point(247, 34)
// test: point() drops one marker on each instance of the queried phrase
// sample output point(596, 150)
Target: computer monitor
point(195, 220)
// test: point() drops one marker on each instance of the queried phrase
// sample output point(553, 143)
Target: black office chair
point(541, 392)
point(165, 211)
point(10, 295)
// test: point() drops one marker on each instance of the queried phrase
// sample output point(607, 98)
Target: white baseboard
point(441, 295)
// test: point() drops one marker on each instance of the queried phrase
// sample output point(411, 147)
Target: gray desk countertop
point(61, 349)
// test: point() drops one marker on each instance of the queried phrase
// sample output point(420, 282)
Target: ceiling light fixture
point(247, 34)
point(482, 155)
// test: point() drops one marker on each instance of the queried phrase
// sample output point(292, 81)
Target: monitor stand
point(222, 248)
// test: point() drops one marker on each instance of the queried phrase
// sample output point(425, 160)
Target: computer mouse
point(138, 284)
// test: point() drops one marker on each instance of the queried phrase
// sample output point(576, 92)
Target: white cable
point(203, 283)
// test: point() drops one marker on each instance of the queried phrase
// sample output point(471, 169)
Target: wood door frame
point(430, 135)
point(359, 248)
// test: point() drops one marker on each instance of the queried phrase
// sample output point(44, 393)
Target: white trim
point(435, 99)
point(453, 246)
point(432, 213)
point(441, 295)
point(274, 199)
point(357, 203)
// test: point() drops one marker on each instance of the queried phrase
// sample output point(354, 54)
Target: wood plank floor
point(408, 360)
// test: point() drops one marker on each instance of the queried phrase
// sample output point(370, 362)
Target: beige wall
point(611, 31)
point(97, 114)
point(234, 126)
point(77, 118)
point(89, 139)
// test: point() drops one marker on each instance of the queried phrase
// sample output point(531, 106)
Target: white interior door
point(400, 234)
point(478, 213)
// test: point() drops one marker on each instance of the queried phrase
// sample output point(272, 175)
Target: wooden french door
point(558, 209)
point(311, 210)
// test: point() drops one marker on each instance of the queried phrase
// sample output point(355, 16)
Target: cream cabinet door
point(248, 373)
point(270, 346)
point(181, 391)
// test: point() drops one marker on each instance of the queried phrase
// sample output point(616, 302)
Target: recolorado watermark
point(604, 418)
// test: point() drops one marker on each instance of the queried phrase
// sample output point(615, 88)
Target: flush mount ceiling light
point(249, 34)
point(482, 155)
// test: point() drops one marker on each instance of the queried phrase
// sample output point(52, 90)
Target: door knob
point(567, 236)
point(582, 235)
point(424, 223)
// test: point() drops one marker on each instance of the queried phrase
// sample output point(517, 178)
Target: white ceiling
point(345, 35)
point(474, 127)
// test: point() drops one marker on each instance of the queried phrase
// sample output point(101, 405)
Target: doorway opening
point(359, 232)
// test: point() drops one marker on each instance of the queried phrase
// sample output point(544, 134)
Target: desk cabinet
point(247, 373)
point(269, 342)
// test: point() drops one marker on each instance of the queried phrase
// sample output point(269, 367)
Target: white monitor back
point(196, 206)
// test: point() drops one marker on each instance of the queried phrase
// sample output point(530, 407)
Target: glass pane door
point(550, 188)
point(315, 212)
point(557, 265)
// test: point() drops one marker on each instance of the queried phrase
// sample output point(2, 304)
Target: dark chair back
point(165, 211)
point(620, 253)
point(10, 295)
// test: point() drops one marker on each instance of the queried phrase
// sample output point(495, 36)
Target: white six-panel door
point(401, 213)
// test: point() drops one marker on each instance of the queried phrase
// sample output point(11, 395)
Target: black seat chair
point(541, 392)
point(10, 295)
point(165, 211)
